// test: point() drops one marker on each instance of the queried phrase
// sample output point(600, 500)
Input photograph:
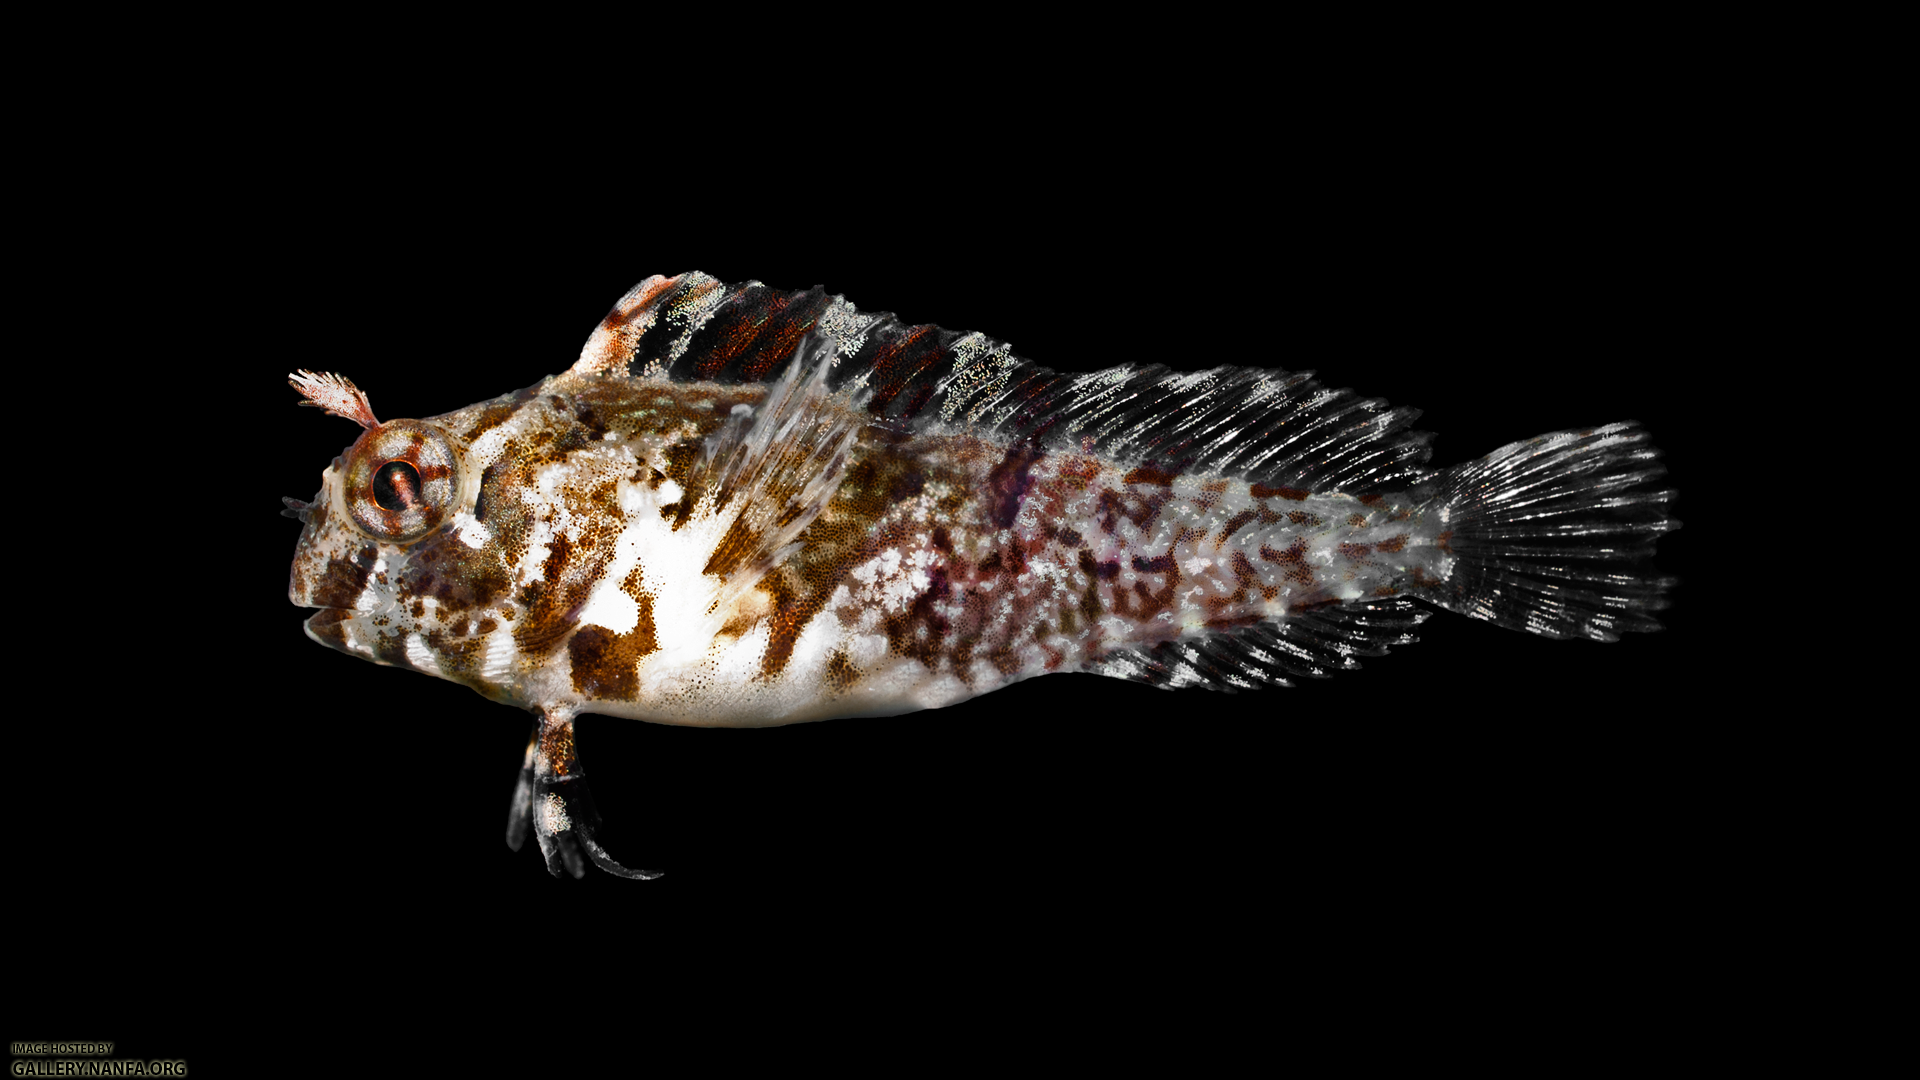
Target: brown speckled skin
point(944, 565)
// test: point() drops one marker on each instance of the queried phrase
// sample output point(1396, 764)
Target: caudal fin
point(1553, 535)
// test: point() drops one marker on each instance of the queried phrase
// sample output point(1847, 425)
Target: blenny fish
point(744, 506)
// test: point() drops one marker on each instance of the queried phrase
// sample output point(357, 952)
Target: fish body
point(749, 507)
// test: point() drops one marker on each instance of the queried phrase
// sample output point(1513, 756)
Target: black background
point(1478, 755)
point(1071, 785)
point(1510, 270)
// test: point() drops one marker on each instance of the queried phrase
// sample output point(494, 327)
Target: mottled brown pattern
point(921, 632)
point(853, 527)
point(454, 576)
point(1248, 579)
point(1076, 474)
point(1262, 491)
point(681, 457)
point(603, 662)
point(840, 673)
point(1235, 523)
point(1294, 560)
point(949, 624)
point(553, 602)
point(490, 417)
point(459, 578)
point(459, 655)
point(556, 747)
point(1008, 482)
point(1148, 474)
point(1106, 571)
point(1151, 602)
point(976, 604)
point(344, 579)
point(1141, 510)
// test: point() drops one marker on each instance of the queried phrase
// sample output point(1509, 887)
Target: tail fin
point(1552, 535)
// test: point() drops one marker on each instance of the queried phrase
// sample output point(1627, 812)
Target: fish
point(743, 506)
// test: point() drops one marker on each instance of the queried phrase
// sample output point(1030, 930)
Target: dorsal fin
point(1310, 644)
point(1273, 427)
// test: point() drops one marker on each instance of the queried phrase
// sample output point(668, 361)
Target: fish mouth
point(324, 627)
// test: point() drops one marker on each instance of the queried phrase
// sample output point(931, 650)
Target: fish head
point(386, 552)
point(589, 544)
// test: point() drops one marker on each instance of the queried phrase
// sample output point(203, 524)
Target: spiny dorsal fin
point(1273, 427)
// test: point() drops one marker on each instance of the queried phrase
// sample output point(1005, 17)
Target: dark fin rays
point(1274, 427)
point(1310, 644)
point(552, 801)
point(1553, 534)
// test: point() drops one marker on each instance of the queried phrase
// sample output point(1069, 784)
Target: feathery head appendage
point(336, 394)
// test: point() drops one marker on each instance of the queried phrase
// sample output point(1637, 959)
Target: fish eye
point(397, 486)
point(402, 481)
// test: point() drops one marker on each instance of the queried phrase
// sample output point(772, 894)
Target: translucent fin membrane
point(1276, 427)
point(1552, 535)
point(772, 472)
point(1312, 644)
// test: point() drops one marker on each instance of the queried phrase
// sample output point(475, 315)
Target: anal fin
point(1310, 644)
